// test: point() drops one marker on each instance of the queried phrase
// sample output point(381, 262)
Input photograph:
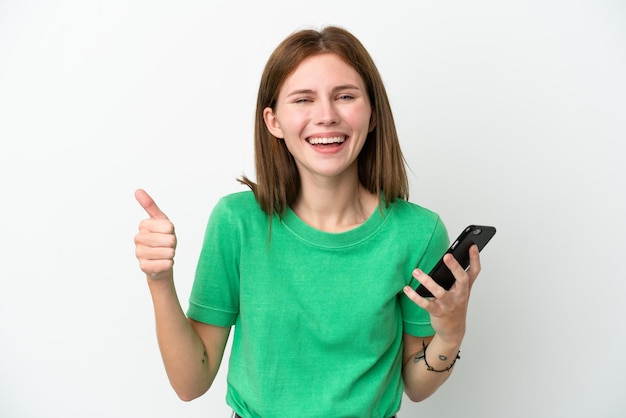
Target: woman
point(312, 265)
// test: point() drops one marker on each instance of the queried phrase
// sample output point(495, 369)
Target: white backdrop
point(511, 113)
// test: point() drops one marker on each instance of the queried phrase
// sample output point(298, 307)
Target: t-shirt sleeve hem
point(210, 315)
point(416, 329)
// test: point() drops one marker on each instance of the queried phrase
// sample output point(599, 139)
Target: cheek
point(361, 118)
point(293, 122)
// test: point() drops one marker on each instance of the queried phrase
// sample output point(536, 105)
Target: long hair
point(381, 165)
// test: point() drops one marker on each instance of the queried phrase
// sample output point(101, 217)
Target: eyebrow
point(335, 89)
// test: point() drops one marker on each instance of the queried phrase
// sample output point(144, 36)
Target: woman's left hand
point(448, 308)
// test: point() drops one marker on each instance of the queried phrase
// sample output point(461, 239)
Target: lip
point(327, 143)
point(327, 135)
point(326, 139)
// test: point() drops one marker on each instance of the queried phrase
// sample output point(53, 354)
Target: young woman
point(312, 266)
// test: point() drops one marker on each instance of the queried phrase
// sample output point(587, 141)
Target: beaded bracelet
point(447, 369)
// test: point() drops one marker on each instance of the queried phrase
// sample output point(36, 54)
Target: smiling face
point(323, 114)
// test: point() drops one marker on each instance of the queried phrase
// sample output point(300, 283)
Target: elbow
point(416, 398)
point(188, 396)
point(190, 393)
point(417, 395)
point(185, 397)
point(189, 388)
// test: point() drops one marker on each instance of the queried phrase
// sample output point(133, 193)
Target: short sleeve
point(214, 295)
point(416, 321)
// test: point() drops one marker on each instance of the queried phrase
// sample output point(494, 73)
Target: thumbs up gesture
point(155, 244)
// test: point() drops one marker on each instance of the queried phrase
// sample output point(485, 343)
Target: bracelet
point(430, 368)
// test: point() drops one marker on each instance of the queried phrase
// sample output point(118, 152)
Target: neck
point(335, 207)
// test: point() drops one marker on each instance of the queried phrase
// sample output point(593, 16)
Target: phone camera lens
point(476, 231)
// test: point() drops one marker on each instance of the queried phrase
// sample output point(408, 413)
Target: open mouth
point(334, 140)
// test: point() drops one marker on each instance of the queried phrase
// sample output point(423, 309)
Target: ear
point(272, 123)
point(373, 121)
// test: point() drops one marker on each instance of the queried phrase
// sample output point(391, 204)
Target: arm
point(420, 382)
point(191, 351)
point(448, 313)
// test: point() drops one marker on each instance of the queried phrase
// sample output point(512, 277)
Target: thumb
point(148, 204)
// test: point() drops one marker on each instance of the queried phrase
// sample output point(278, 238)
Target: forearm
point(419, 381)
point(185, 358)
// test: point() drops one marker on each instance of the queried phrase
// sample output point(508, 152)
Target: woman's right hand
point(191, 351)
point(155, 244)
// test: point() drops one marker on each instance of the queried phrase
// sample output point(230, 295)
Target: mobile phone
point(473, 234)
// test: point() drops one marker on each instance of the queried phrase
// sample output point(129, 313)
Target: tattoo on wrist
point(441, 357)
point(418, 357)
point(204, 358)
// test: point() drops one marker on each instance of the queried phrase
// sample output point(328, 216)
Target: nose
point(326, 113)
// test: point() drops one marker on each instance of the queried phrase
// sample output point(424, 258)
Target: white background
point(510, 113)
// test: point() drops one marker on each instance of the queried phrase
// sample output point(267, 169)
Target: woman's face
point(323, 114)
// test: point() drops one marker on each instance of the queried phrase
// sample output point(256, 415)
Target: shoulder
point(236, 203)
point(418, 221)
point(413, 212)
point(236, 210)
point(236, 199)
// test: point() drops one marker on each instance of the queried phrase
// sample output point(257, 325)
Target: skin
point(448, 315)
point(191, 351)
point(323, 98)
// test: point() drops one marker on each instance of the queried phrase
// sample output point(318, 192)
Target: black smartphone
point(473, 234)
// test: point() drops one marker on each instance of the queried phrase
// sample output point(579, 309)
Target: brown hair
point(380, 163)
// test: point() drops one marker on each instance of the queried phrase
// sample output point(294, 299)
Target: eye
point(345, 97)
point(302, 100)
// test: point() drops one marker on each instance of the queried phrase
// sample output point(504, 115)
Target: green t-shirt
point(318, 316)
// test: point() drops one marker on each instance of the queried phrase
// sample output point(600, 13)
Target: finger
point(148, 204)
point(429, 283)
point(474, 267)
point(418, 299)
point(156, 226)
point(144, 253)
point(155, 239)
point(459, 273)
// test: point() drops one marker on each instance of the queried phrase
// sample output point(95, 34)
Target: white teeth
point(333, 140)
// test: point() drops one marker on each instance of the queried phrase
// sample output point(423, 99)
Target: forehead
point(322, 69)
